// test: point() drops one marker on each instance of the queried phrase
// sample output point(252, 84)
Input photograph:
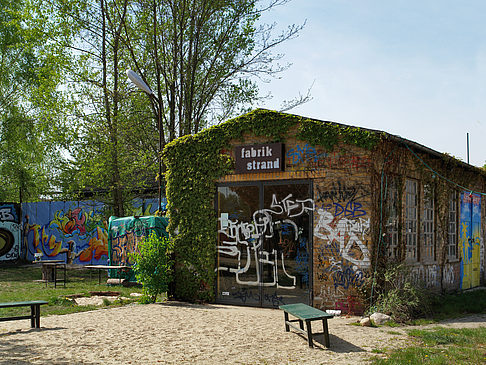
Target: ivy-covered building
point(272, 208)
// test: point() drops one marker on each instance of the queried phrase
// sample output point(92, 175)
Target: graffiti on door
point(244, 241)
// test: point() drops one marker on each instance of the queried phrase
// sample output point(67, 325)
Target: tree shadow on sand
point(15, 351)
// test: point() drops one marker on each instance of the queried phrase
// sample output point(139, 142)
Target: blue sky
point(413, 68)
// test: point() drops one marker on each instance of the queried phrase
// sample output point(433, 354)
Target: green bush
point(153, 266)
point(396, 293)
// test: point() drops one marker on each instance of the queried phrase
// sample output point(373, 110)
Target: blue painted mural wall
point(72, 231)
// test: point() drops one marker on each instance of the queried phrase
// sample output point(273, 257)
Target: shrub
point(397, 294)
point(153, 266)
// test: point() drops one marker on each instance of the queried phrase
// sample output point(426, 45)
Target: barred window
point(452, 244)
point(411, 218)
point(391, 237)
point(428, 223)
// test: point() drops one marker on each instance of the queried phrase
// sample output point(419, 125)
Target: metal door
point(264, 243)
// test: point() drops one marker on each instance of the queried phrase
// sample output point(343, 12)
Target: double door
point(264, 243)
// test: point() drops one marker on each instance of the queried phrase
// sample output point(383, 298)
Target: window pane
point(428, 223)
point(411, 209)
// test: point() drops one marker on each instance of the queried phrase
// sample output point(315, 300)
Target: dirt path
point(179, 333)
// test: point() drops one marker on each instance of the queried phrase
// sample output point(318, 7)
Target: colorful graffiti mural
point(10, 231)
point(124, 235)
point(70, 231)
point(470, 239)
point(75, 232)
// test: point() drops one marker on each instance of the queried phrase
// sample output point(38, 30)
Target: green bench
point(34, 311)
point(306, 313)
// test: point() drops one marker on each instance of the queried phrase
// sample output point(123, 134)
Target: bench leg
point(33, 315)
point(37, 316)
point(65, 268)
point(326, 332)
point(309, 332)
point(286, 317)
point(301, 323)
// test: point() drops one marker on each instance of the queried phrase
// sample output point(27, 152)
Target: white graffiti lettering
point(6, 215)
point(349, 233)
point(448, 276)
point(290, 207)
point(243, 241)
point(428, 275)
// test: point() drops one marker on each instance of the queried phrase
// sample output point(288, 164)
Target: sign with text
point(259, 158)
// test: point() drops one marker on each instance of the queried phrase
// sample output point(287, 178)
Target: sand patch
point(180, 333)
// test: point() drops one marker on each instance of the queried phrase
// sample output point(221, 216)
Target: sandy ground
point(180, 333)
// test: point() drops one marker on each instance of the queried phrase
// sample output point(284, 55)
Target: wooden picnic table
point(304, 312)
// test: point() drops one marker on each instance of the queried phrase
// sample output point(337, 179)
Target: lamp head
point(137, 80)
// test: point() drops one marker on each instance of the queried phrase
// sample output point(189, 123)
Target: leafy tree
point(113, 155)
point(31, 134)
point(153, 266)
point(202, 58)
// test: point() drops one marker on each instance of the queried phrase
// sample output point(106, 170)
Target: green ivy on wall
point(195, 162)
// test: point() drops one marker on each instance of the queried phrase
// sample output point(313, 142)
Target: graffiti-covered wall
point(336, 246)
point(9, 231)
point(341, 241)
point(470, 239)
point(375, 202)
point(72, 231)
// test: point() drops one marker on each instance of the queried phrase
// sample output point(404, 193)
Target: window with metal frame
point(428, 223)
point(452, 234)
point(411, 219)
point(391, 237)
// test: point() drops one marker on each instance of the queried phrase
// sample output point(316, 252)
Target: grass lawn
point(22, 283)
point(441, 345)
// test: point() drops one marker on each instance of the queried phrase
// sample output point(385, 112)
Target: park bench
point(306, 313)
point(34, 311)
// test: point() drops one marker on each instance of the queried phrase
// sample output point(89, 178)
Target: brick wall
point(346, 195)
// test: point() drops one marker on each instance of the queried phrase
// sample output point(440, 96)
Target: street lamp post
point(137, 80)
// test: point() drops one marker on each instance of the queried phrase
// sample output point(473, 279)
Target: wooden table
point(304, 312)
point(49, 271)
point(119, 269)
